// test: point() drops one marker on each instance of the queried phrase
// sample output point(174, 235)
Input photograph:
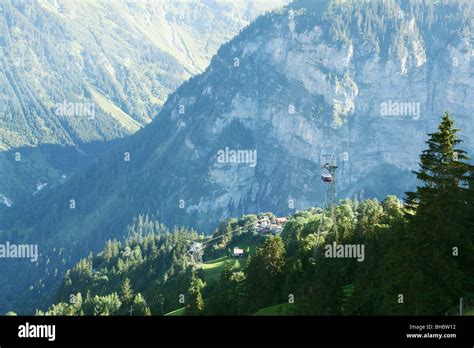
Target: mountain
point(76, 75)
point(357, 83)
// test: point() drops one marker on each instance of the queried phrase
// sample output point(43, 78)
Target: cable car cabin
point(327, 178)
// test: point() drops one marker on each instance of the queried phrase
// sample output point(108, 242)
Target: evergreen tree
point(195, 304)
point(265, 274)
point(126, 292)
point(139, 306)
point(379, 279)
point(437, 224)
point(228, 296)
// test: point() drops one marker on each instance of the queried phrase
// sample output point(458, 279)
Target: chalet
point(281, 221)
point(238, 252)
point(266, 227)
point(263, 221)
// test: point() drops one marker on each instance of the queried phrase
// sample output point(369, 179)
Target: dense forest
point(417, 257)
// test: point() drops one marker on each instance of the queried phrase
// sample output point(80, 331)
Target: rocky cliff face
point(357, 84)
point(296, 90)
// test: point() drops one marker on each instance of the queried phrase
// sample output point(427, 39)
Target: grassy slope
point(213, 268)
point(125, 120)
point(176, 313)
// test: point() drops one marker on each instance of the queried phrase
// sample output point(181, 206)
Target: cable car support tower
point(328, 177)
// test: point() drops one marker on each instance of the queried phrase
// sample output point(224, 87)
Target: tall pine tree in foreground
point(439, 233)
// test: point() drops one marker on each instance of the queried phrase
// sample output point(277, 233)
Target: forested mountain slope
point(75, 75)
point(352, 258)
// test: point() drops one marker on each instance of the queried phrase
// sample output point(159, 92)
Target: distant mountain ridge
point(123, 57)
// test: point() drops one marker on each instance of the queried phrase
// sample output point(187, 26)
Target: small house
point(263, 221)
point(281, 221)
point(238, 252)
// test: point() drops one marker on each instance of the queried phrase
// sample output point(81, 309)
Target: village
point(264, 226)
